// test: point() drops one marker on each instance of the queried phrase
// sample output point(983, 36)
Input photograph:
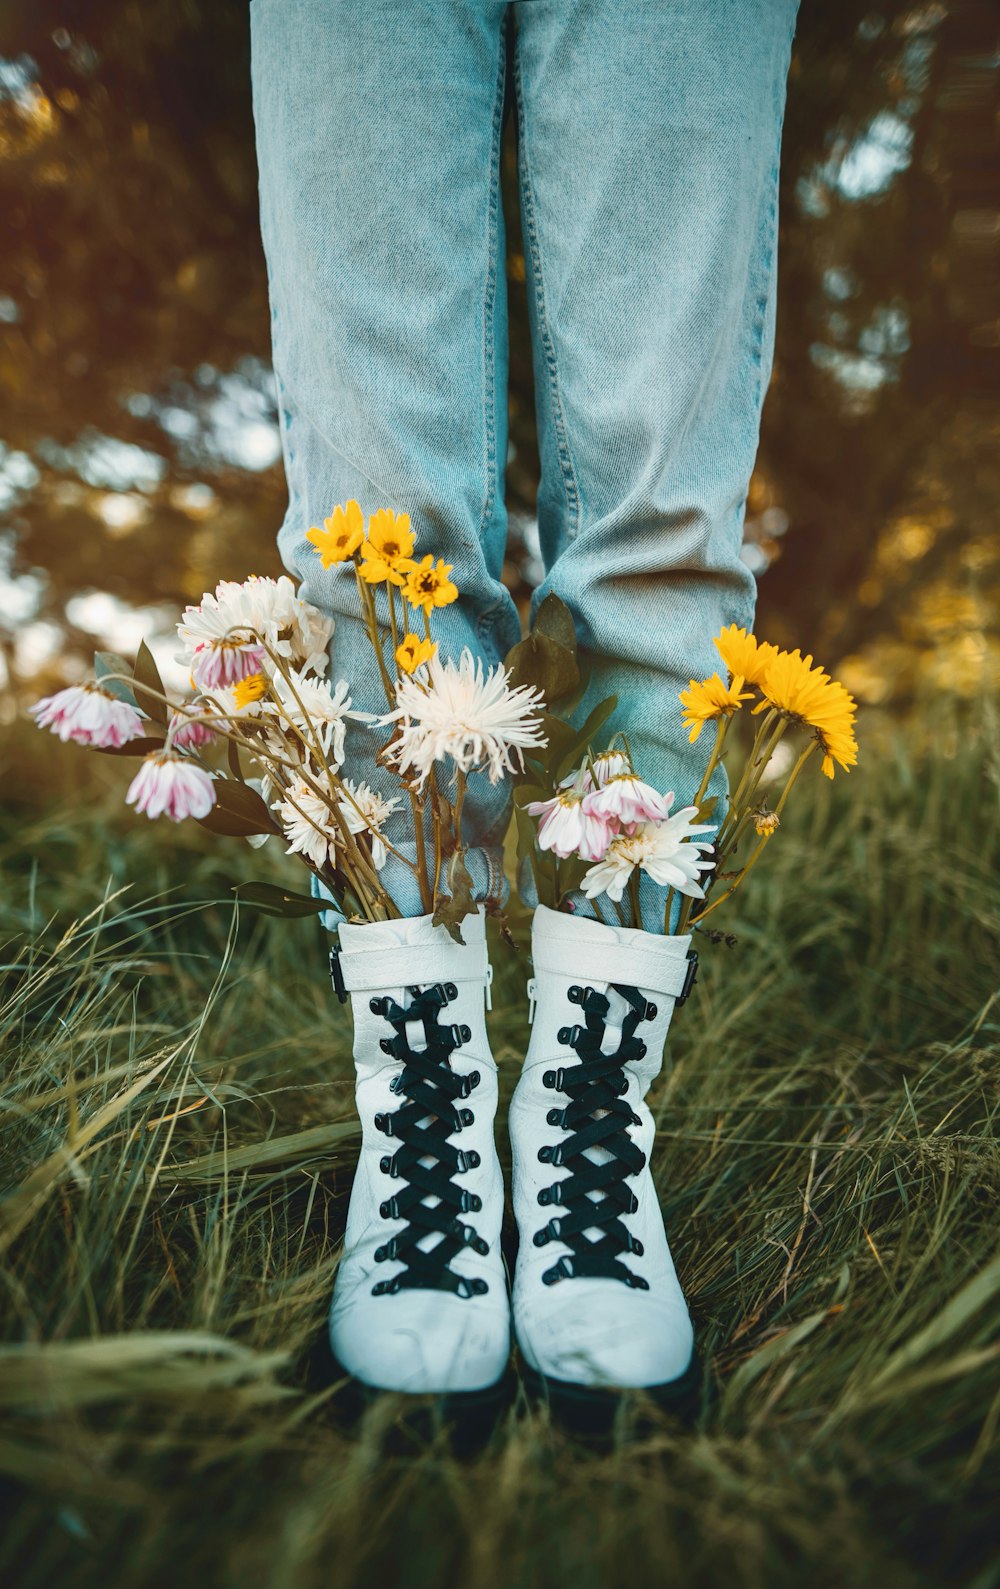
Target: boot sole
point(594, 1409)
point(470, 1416)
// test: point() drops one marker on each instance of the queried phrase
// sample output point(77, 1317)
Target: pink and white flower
point(169, 785)
point(669, 852)
point(609, 764)
point(88, 715)
point(625, 799)
point(262, 609)
point(186, 733)
point(566, 829)
point(219, 663)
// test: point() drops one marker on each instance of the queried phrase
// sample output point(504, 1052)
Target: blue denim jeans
point(648, 138)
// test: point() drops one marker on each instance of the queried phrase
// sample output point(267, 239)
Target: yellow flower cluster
point(787, 682)
point(384, 556)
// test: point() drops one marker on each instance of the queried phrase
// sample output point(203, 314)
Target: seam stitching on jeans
point(489, 302)
point(531, 237)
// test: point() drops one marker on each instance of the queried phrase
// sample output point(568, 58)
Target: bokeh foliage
point(133, 308)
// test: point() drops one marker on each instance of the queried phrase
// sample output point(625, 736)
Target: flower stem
point(462, 785)
point(367, 600)
point(720, 735)
point(633, 894)
point(751, 863)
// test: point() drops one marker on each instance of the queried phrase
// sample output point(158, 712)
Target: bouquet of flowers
point(587, 820)
point(258, 746)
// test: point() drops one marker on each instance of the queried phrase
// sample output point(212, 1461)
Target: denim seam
point(530, 228)
point(489, 301)
point(771, 235)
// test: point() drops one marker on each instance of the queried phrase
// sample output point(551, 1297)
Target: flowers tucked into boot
point(596, 1299)
point(420, 1302)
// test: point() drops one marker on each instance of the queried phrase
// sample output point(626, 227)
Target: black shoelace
point(595, 1196)
point(427, 1161)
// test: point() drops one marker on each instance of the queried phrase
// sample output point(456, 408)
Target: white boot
point(596, 1298)
point(420, 1301)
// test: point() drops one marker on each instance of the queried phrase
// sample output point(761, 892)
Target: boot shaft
point(383, 964)
point(573, 953)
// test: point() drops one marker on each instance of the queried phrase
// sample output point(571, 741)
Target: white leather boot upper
point(401, 1318)
point(603, 1307)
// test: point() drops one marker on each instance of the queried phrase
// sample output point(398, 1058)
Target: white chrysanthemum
point(309, 824)
point(317, 709)
point(268, 609)
point(367, 812)
point(452, 710)
point(669, 852)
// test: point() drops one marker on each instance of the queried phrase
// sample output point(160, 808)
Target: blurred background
point(139, 452)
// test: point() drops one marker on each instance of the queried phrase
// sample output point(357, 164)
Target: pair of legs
point(648, 143)
point(648, 138)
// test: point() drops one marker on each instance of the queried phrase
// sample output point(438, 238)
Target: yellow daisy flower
point(428, 585)
point(814, 700)
point(745, 656)
point(252, 688)
point(765, 823)
point(341, 535)
point(710, 699)
point(412, 652)
point(387, 551)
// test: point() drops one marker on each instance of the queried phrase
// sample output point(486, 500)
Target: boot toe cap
point(594, 1340)
point(422, 1342)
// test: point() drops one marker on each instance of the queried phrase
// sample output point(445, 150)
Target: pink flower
point(567, 829)
point(224, 662)
point(169, 785)
point(185, 733)
point(610, 764)
point(626, 799)
point(89, 715)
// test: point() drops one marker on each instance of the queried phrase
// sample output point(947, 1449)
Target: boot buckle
point(690, 978)
point(337, 975)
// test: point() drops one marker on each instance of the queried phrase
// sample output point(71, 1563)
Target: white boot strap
point(596, 964)
point(417, 965)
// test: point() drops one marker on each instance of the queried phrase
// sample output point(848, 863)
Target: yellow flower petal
point(412, 652)
point(745, 656)
point(252, 688)
point(341, 535)
point(807, 695)
point(710, 699)
point(428, 586)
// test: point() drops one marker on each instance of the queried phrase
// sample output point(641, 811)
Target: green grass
point(827, 1161)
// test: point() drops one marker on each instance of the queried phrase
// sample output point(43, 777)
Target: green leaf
point(147, 673)
point(142, 746)
point(271, 900)
point(706, 808)
point(238, 811)
point(106, 663)
point(554, 620)
point(544, 663)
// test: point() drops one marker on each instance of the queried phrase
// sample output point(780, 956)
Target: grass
point(177, 1149)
